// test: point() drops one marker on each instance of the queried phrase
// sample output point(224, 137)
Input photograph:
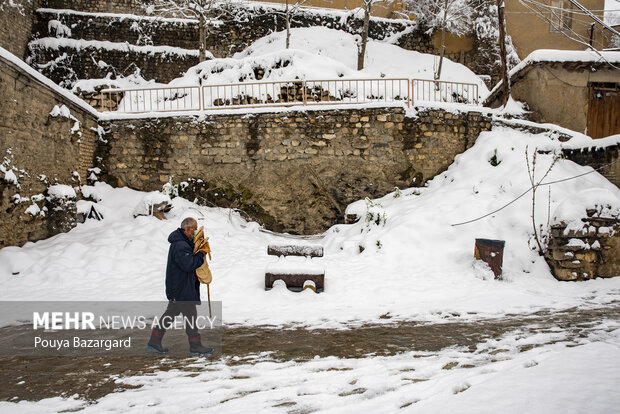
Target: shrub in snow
point(169, 189)
point(57, 29)
point(61, 191)
point(62, 213)
point(375, 213)
point(493, 160)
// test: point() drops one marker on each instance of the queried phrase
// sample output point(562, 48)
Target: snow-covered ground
point(416, 264)
point(518, 373)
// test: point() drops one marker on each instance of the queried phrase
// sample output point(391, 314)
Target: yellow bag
point(204, 273)
point(201, 243)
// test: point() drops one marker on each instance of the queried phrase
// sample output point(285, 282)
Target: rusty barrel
point(491, 252)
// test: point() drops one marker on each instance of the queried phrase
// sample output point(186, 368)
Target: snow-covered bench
point(294, 267)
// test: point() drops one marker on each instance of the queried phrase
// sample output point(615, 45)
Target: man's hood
point(178, 235)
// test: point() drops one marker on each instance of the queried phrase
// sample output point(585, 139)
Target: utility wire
point(530, 189)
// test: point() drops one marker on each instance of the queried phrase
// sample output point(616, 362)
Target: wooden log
point(292, 250)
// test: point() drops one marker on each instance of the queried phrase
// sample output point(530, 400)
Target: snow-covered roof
point(559, 56)
point(10, 57)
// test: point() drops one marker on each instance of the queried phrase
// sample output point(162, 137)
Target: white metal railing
point(287, 93)
point(152, 99)
point(423, 90)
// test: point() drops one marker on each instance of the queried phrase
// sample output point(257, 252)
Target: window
point(561, 17)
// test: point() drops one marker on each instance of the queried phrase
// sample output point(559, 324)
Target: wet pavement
point(90, 378)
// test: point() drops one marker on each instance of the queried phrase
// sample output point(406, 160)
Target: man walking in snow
point(182, 289)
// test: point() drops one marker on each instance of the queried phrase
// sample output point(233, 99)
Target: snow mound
point(61, 191)
point(605, 202)
point(319, 53)
point(145, 206)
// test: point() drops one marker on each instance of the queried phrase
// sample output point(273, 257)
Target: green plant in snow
point(170, 189)
point(397, 192)
point(493, 160)
point(373, 215)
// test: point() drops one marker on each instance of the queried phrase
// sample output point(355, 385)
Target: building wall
point(529, 32)
point(16, 21)
point(378, 10)
point(556, 94)
point(40, 149)
point(294, 171)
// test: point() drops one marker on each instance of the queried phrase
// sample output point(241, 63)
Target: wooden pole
point(209, 298)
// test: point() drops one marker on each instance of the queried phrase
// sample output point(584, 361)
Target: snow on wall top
point(78, 44)
point(5, 54)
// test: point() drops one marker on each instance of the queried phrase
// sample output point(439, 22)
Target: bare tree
point(531, 171)
point(290, 10)
point(454, 16)
point(205, 11)
point(361, 47)
point(502, 51)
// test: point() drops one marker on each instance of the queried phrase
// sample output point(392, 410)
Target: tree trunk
point(202, 27)
point(502, 51)
point(361, 51)
point(443, 39)
point(288, 26)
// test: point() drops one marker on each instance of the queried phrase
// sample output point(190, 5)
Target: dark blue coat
point(181, 281)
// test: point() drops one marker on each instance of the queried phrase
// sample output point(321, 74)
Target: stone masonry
point(303, 166)
point(586, 253)
point(597, 157)
point(224, 39)
point(16, 21)
point(41, 150)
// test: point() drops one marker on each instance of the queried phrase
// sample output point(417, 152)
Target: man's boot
point(155, 342)
point(196, 348)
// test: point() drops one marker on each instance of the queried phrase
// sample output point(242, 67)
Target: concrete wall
point(16, 21)
point(529, 32)
point(294, 171)
point(40, 149)
point(556, 94)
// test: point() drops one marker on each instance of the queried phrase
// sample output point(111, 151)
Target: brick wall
point(40, 149)
point(294, 171)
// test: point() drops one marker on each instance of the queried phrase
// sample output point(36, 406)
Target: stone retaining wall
point(589, 252)
point(16, 25)
point(224, 39)
point(92, 63)
point(41, 150)
point(596, 158)
point(293, 171)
